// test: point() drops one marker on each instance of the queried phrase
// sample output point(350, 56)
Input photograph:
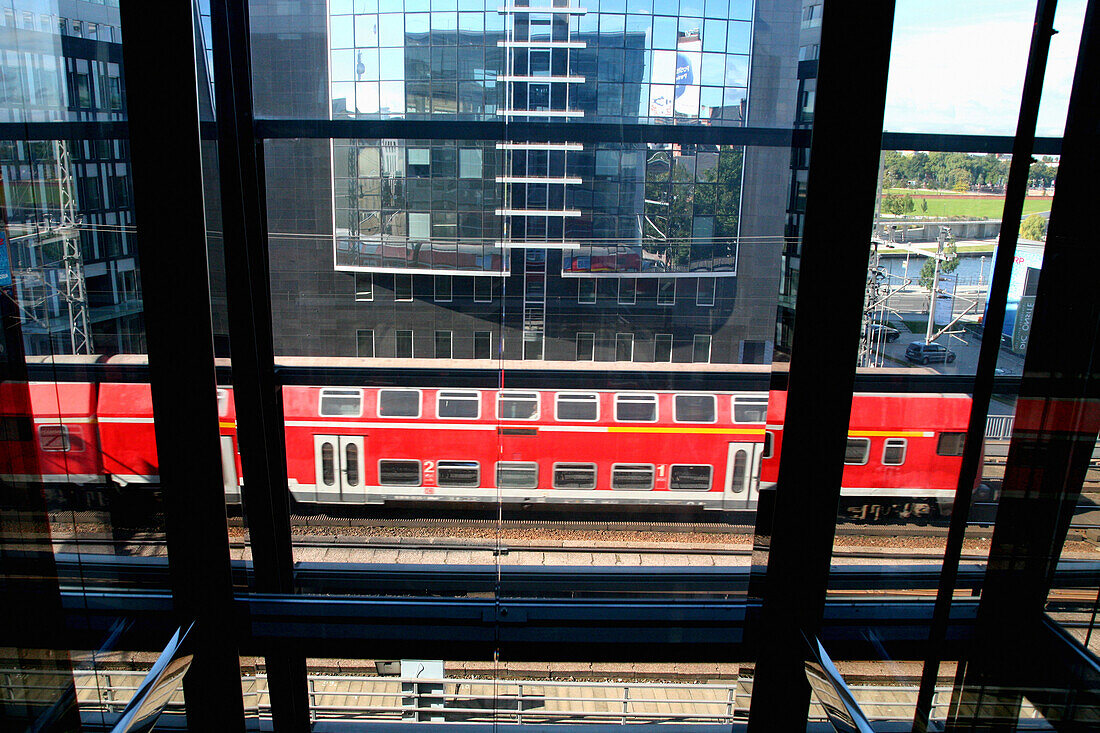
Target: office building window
point(628, 291)
point(364, 343)
point(662, 347)
point(420, 226)
point(704, 293)
point(666, 291)
point(700, 350)
point(469, 163)
point(586, 346)
point(364, 286)
point(483, 344)
point(624, 347)
point(443, 285)
point(483, 290)
point(403, 344)
point(442, 344)
point(586, 291)
point(402, 287)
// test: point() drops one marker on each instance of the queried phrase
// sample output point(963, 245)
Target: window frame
point(557, 406)
point(508, 464)
point(419, 471)
point(893, 443)
point(329, 391)
point(446, 297)
point(399, 297)
point(538, 406)
point(373, 352)
point(65, 433)
point(629, 295)
point(701, 298)
point(592, 355)
point(652, 467)
point(554, 475)
point(478, 295)
point(710, 475)
point(671, 348)
point(419, 403)
point(695, 341)
point(450, 337)
point(397, 336)
point(476, 399)
point(866, 450)
point(656, 406)
point(453, 463)
point(676, 410)
point(762, 401)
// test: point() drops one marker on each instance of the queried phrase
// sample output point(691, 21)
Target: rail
point(466, 700)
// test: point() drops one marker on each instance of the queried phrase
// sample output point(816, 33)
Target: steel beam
point(170, 215)
point(847, 135)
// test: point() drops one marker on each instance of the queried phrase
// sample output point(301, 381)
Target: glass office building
point(372, 363)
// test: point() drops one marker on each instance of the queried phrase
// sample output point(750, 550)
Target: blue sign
point(684, 76)
point(5, 265)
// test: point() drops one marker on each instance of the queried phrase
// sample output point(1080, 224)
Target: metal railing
point(363, 698)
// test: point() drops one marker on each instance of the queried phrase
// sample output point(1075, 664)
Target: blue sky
point(957, 66)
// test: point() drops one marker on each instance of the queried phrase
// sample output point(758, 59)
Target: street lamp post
point(935, 281)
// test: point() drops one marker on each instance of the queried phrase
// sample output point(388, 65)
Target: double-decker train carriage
point(373, 445)
point(708, 449)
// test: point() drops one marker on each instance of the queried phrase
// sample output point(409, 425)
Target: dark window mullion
point(261, 437)
point(179, 335)
point(852, 76)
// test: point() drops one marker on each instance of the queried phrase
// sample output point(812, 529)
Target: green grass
point(989, 207)
point(918, 328)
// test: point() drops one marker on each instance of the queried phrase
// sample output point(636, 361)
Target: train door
point(339, 461)
point(743, 475)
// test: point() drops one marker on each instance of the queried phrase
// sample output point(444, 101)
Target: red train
point(349, 445)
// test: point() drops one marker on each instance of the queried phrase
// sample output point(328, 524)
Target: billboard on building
point(674, 88)
point(945, 298)
point(1023, 283)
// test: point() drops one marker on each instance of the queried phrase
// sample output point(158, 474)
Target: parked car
point(923, 353)
point(875, 331)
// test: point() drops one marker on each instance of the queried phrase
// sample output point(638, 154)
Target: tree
point(960, 179)
point(1034, 228)
point(924, 206)
point(949, 264)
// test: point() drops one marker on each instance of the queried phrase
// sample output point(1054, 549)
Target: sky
point(957, 66)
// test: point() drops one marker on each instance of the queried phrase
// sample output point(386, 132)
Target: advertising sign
point(1021, 329)
point(945, 298)
point(674, 88)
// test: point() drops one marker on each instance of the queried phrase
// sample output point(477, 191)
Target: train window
point(574, 475)
point(893, 452)
point(636, 407)
point(769, 443)
point(740, 460)
point(577, 406)
point(328, 467)
point(750, 409)
point(459, 404)
point(517, 475)
point(398, 403)
point(951, 444)
point(458, 474)
point(632, 476)
point(857, 452)
point(689, 478)
point(518, 406)
point(399, 473)
point(696, 408)
point(223, 402)
point(351, 455)
point(54, 438)
point(341, 402)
